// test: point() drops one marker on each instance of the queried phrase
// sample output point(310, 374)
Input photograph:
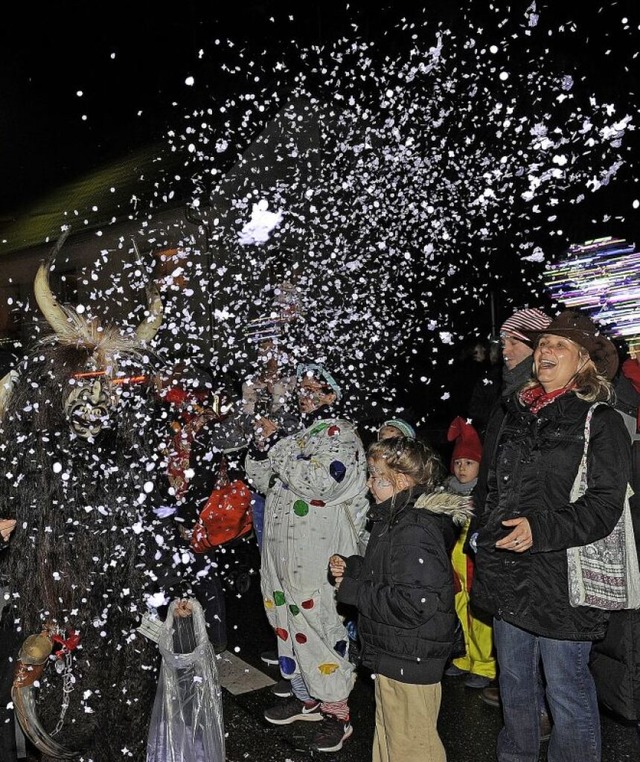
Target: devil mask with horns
point(79, 464)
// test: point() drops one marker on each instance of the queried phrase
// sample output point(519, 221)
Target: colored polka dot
point(327, 669)
point(333, 431)
point(318, 503)
point(282, 633)
point(287, 665)
point(294, 609)
point(341, 648)
point(309, 604)
point(300, 638)
point(268, 603)
point(337, 469)
point(320, 427)
point(300, 508)
point(278, 597)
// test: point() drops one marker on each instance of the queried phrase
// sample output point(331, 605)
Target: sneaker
point(453, 671)
point(269, 657)
point(477, 681)
point(331, 734)
point(491, 695)
point(282, 689)
point(292, 711)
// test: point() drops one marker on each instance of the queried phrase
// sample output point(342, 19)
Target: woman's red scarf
point(535, 399)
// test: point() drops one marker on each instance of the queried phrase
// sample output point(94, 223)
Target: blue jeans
point(571, 696)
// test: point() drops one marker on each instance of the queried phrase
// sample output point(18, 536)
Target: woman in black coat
point(527, 524)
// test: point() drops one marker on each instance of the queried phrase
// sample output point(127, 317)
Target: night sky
point(131, 60)
point(84, 84)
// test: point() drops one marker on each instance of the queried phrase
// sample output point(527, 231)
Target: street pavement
point(468, 727)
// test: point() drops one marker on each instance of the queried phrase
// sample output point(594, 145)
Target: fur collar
point(458, 507)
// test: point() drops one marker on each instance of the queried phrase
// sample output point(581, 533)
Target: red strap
point(67, 645)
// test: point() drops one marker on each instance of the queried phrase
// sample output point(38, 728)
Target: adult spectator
point(527, 524)
point(315, 486)
point(486, 390)
point(467, 369)
point(615, 661)
point(517, 357)
point(203, 452)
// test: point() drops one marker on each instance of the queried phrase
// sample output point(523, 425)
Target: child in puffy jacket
point(478, 665)
point(404, 592)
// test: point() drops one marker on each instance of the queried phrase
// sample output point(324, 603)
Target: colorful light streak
point(602, 278)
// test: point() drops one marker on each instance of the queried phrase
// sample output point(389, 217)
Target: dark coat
point(531, 474)
point(615, 661)
point(403, 587)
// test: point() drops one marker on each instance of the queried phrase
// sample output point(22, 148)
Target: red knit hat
point(467, 444)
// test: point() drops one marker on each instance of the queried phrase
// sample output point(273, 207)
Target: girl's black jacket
point(403, 587)
point(531, 473)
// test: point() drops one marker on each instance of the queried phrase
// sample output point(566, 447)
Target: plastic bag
point(186, 722)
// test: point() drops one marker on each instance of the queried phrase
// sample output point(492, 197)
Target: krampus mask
point(79, 465)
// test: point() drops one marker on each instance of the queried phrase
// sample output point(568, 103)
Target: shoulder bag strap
point(580, 483)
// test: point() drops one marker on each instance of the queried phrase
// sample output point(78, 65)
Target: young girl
point(403, 590)
point(478, 665)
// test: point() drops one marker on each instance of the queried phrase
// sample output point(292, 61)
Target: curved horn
point(149, 326)
point(6, 387)
point(49, 306)
point(31, 663)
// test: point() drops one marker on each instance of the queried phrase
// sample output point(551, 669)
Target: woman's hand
point(6, 527)
point(519, 539)
point(337, 565)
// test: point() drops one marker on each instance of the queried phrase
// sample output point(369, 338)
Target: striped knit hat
point(525, 320)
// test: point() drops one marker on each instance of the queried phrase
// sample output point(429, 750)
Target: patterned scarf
point(535, 399)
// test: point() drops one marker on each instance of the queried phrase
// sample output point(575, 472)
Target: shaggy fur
point(459, 507)
point(84, 549)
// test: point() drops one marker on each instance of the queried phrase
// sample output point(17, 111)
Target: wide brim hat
point(581, 329)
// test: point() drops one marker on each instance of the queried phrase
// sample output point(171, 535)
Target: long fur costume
point(85, 550)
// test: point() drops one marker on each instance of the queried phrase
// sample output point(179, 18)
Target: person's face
point(312, 394)
point(556, 360)
point(465, 470)
point(514, 351)
point(381, 481)
point(389, 432)
point(479, 353)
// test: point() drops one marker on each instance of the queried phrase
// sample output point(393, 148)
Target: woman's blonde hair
point(410, 457)
point(589, 385)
